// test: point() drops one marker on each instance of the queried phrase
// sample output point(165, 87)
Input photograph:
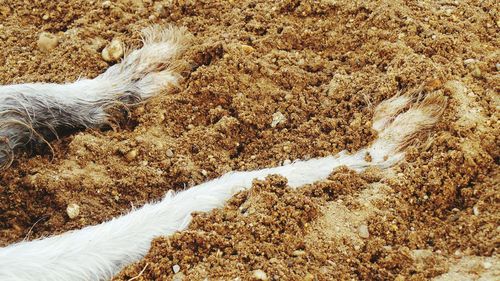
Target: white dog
point(98, 252)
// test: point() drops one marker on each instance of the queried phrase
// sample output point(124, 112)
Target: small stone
point(106, 4)
point(469, 61)
point(170, 153)
point(113, 52)
point(204, 172)
point(287, 162)
point(131, 155)
point(498, 66)
point(475, 210)
point(298, 253)
point(176, 268)
point(247, 49)
point(47, 41)
point(259, 275)
point(97, 44)
point(73, 210)
point(278, 117)
point(363, 231)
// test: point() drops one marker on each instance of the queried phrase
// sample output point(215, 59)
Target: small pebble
point(298, 253)
point(259, 275)
point(170, 153)
point(131, 155)
point(106, 4)
point(498, 66)
point(176, 268)
point(287, 162)
point(475, 209)
point(278, 117)
point(47, 41)
point(363, 231)
point(469, 61)
point(73, 210)
point(113, 52)
point(247, 49)
point(204, 172)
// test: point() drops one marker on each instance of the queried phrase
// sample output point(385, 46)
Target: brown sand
point(323, 65)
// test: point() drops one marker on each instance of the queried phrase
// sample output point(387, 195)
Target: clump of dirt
point(266, 82)
point(239, 238)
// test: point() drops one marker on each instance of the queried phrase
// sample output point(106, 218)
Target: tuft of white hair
point(35, 110)
point(98, 252)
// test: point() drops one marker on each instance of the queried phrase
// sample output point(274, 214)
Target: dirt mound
point(265, 82)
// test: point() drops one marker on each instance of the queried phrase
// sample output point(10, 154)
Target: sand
point(265, 82)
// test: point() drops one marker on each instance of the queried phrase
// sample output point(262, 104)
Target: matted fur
point(35, 110)
point(98, 252)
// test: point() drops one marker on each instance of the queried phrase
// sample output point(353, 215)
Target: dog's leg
point(28, 111)
point(98, 252)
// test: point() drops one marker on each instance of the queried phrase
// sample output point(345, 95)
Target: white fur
point(35, 110)
point(98, 252)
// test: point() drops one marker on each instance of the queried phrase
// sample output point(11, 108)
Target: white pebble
point(363, 231)
point(475, 209)
point(469, 61)
point(259, 275)
point(176, 268)
point(73, 210)
point(47, 41)
point(278, 117)
point(113, 52)
point(106, 4)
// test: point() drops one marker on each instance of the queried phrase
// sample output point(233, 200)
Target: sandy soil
point(323, 65)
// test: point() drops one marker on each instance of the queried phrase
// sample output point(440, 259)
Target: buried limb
point(35, 111)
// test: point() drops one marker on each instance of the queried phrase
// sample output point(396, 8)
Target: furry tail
point(98, 252)
point(37, 110)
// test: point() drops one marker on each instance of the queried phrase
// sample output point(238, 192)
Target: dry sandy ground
point(322, 65)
